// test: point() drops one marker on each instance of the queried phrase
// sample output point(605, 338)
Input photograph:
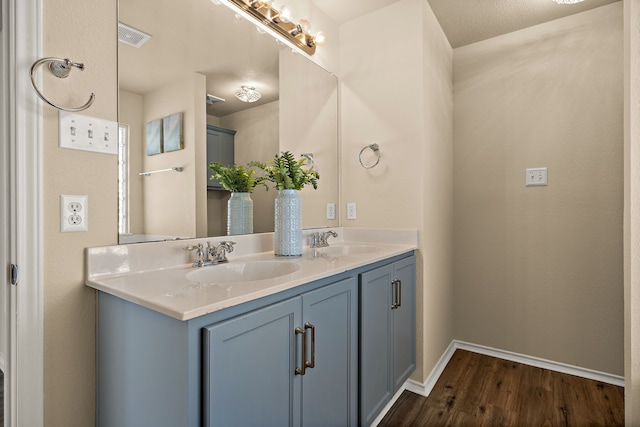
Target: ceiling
point(470, 21)
point(200, 36)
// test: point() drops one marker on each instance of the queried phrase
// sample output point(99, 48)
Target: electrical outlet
point(331, 211)
point(536, 177)
point(351, 211)
point(80, 132)
point(73, 213)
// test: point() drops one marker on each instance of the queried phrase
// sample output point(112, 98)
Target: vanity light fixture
point(280, 23)
point(247, 94)
point(568, 1)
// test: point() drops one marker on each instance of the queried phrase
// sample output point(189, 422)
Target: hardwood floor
point(478, 390)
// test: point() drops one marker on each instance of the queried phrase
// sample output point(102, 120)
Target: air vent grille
point(131, 36)
point(213, 99)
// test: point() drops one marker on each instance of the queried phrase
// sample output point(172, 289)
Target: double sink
point(241, 272)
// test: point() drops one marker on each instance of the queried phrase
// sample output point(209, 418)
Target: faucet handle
point(228, 245)
point(199, 257)
point(218, 252)
point(325, 236)
point(314, 239)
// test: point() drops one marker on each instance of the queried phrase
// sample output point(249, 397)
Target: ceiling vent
point(131, 36)
point(213, 99)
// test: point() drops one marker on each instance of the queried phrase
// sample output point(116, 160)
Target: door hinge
point(14, 274)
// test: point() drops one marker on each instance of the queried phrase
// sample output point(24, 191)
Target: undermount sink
point(242, 272)
point(348, 249)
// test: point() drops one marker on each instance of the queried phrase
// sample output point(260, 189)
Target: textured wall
point(165, 198)
point(396, 91)
point(538, 270)
point(83, 31)
point(257, 139)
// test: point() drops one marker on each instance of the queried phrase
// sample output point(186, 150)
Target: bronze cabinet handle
point(312, 363)
point(303, 369)
point(396, 289)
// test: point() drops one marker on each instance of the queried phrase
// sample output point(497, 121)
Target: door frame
point(25, 359)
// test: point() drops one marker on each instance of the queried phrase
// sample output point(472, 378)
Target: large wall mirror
point(200, 52)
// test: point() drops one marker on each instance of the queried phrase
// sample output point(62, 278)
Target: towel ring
point(309, 156)
point(61, 69)
point(376, 150)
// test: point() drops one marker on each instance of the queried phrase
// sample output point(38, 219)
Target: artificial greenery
point(287, 173)
point(236, 178)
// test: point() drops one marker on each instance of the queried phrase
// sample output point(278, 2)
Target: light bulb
point(285, 14)
point(320, 38)
point(305, 25)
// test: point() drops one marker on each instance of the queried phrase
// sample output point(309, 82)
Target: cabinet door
point(220, 148)
point(329, 389)
point(376, 387)
point(249, 364)
point(404, 322)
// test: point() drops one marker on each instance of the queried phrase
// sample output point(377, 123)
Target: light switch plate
point(536, 177)
point(79, 132)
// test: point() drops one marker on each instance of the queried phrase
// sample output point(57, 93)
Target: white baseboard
point(388, 405)
point(564, 368)
point(425, 388)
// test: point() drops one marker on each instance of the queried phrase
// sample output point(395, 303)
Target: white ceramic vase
point(287, 239)
point(239, 214)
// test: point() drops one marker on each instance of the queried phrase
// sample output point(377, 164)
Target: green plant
point(236, 178)
point(287, 173)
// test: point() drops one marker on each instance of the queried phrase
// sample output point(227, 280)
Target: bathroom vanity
point(327, 340)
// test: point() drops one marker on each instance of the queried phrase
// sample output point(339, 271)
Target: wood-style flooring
point(479, 390)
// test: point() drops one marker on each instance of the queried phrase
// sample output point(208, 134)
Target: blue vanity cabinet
point(236, 366)
point(253, 369)
point(387, 334)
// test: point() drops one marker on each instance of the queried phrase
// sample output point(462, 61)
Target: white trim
point(425, 388)
point(564, 368)
point(388, 405)
point(27, 383)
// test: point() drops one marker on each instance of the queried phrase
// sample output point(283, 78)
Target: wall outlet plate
point(80, 132)
point(351, 210)
point(73, 213)
point(331, 211)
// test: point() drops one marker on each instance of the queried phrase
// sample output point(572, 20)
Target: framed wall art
point(154, 137)
point(172, 133)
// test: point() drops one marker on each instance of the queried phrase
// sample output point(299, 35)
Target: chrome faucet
point(319, 240)
point(213, 254)
point(218, 253)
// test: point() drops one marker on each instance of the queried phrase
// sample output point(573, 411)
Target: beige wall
point(396, 91)
point(538, 270)
point(382, 74)
point(257, 138)
point(309, 124)
point(169, 209)
point(632, 212)
point(83, 31)
point(130, 113)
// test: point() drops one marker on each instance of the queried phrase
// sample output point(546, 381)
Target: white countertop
point(153, 275)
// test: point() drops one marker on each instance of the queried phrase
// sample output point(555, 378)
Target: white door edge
point(25, 364)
